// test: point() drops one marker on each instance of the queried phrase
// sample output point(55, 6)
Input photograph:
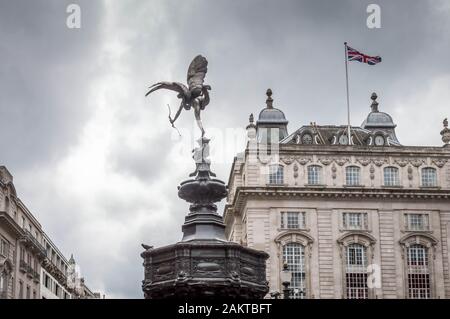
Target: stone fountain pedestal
point(204, 264)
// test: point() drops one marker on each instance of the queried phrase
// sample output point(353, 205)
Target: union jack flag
point(354, 55)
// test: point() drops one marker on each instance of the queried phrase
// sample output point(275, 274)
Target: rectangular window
point(4, 248)
point(46, 281)
point(276, 174)
point(419, 282)
point(20, 290)
point(354, 221)
point(429, 177)
point(356, 273)
point(293, 220)
point(391, 177)
point(352, 176)
point(294, 256)
point(314, 175)
point(417, 222)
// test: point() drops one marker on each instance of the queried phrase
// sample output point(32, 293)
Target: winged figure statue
point(195, 95)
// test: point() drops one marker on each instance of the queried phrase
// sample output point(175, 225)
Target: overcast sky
point(98, 164)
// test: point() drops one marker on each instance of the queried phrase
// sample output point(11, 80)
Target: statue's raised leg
point(198, 119)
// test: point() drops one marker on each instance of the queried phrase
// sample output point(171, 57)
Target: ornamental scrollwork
point(303, 160)
point(401, 162)
point(364, 161)
point(341, 160)
point(417, 162)
point(379, 161)
point(439, 162)
point(287, 159)
point(325, 160)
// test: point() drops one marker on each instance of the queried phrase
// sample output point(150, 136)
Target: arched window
point(352, 176)
point(429, 177)
point(356, 272)
point(418, 272)
point(391, 177)
point(314, 175)
point(294, 256)
point(276, 174)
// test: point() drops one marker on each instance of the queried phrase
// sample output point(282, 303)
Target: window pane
point(354, 220)
point(292, 220)
point(314, 174)
point(356, 272)
point(391, 177)
point(417, 221)
point(276, 174)
point(294, 256)
point(418, 272)
point(429, 177)
point(352, 175)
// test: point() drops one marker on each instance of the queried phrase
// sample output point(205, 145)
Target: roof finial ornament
point(269, 101)
point(445, 133)
point(374, 105)
point(251, 119)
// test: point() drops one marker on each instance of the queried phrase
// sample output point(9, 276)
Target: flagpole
point(348, 98)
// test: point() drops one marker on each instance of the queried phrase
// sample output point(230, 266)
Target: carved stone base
point(204, 269)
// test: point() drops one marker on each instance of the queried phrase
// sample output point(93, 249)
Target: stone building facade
point(353, 217)
point(31, 266)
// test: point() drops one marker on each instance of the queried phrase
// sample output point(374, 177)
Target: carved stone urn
point(204, 264)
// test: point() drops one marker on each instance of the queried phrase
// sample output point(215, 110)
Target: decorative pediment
point(357, 237)
point(424, 239)
point(294, 236)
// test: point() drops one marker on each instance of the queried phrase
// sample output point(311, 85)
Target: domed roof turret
point(271, 115)
point(377, 119)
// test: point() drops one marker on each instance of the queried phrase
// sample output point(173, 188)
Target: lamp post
point(286, 277)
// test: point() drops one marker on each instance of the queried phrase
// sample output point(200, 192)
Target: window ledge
point(282, 229)
point(316, 185)
point(344, 229)
point(276, 185)
point(353, 186)
point(418, 231)
point(392, 186)
point(430, 187)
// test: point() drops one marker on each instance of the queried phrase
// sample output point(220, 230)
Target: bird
point(146, 247)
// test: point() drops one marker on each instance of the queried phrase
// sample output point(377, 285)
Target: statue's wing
point(197, 72)
point(174, 86)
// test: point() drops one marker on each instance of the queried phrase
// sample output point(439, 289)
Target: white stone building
point(54, 273)
point(31, 265)
point(341, 214)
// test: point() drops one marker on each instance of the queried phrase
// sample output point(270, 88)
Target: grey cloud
point(49, 75)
